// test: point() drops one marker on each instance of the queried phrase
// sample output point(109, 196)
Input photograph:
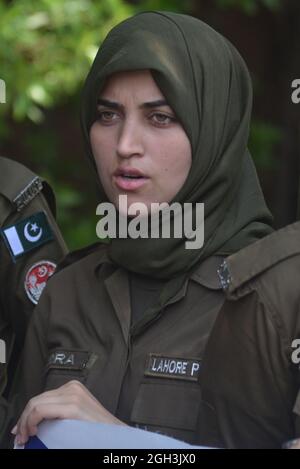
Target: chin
point(123, 208)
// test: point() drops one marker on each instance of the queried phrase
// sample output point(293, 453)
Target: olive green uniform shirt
point(251, 374)
point(144, 291)
point(22, 195)
point(148, 373)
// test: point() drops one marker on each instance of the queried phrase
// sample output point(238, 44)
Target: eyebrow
point(116, 105)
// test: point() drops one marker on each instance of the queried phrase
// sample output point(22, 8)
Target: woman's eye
point(162, 119)
point(107, 116)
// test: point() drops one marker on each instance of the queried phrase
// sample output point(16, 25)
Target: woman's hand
point(70, 401)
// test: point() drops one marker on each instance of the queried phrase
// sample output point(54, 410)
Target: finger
point(63, 402)
point(45, 411)
point(14, 430)
point(47, 398)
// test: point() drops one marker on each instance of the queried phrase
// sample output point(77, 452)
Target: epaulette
point(28, 193)
point(258, 257)
point(19, 185)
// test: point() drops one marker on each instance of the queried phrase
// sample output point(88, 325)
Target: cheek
point(101, 148)
point(176, 160)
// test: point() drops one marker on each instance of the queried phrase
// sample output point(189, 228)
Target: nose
point(130, 142)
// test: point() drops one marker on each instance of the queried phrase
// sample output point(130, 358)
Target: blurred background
point(47, 47)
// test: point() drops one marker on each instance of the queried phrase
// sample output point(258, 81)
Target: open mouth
point(129, 181)
point(130, 176)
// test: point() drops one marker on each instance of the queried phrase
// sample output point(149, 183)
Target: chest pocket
point(169, 397)
point(65, 365)
point(169, 405)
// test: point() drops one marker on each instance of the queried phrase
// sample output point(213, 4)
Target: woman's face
point(140, 148)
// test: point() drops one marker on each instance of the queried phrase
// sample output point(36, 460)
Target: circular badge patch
point(36, 279)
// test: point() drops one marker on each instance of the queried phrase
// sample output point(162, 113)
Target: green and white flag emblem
point(27, 234)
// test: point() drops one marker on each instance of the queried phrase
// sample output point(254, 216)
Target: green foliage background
point(46, 49)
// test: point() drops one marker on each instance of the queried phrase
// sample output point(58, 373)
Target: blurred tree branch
point(47, 47)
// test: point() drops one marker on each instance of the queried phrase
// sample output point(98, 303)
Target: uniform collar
point(206, 273)
point(260, 256)
point(117, 285)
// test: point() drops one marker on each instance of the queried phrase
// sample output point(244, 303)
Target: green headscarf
point(207, 84)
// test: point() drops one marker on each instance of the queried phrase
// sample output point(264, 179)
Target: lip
point(128, 170)
point(127, 184)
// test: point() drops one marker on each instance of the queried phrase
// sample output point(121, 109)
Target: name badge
point(70, 360)
point(171, 367)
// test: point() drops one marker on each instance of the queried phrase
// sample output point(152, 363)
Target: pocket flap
point(167, 405)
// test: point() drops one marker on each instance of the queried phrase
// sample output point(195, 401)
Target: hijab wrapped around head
point(207, 84)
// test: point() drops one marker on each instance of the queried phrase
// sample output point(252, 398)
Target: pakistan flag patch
point(27, 234)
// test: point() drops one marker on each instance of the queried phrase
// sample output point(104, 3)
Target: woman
point(119, 335)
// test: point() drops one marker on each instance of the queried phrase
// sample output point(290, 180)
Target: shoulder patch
point(27, 234)
point(36, 279)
